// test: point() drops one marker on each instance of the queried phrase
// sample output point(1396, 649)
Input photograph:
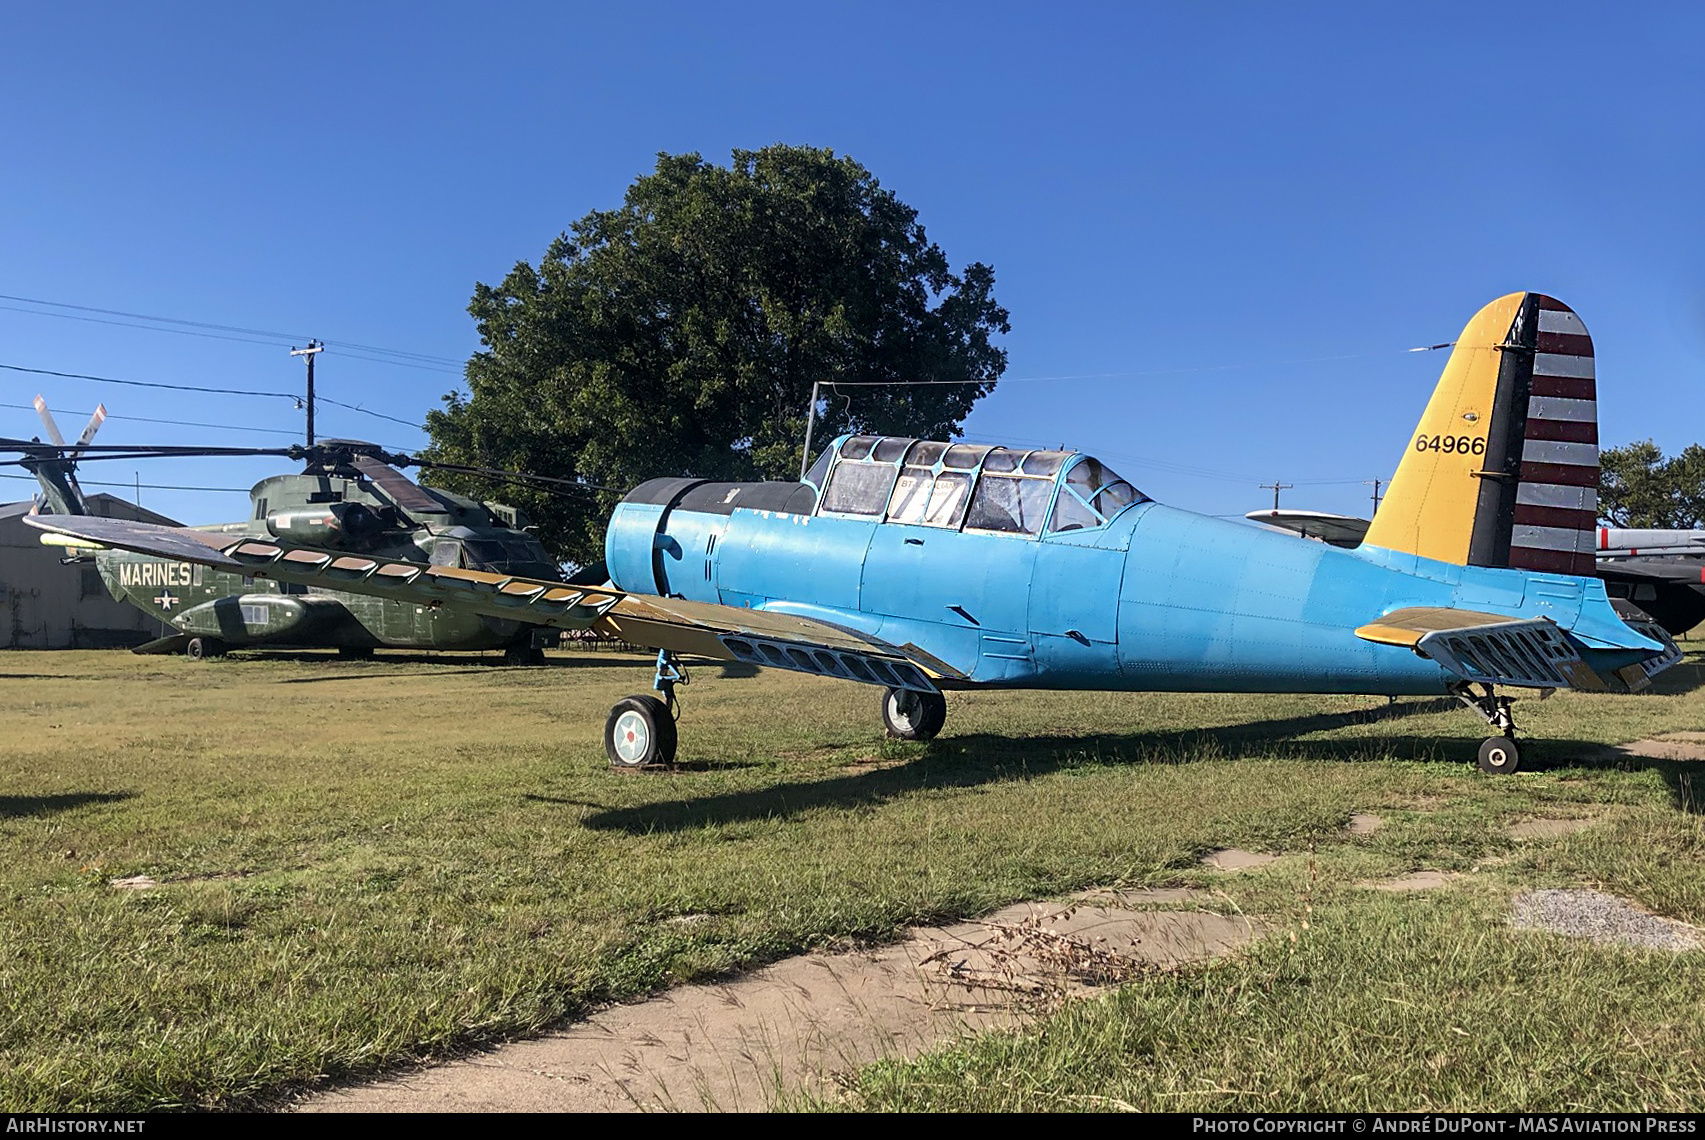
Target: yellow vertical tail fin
point(1503, 468)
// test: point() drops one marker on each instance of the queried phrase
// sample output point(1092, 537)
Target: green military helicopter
point(349, 496)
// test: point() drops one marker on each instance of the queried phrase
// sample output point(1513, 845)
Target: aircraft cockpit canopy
point(967, 486)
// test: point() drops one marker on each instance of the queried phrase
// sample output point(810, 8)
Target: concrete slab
point(1364, 823)
point(1671, 746)
point(1415, 881)
point(1233, 859)
point(1548, 828)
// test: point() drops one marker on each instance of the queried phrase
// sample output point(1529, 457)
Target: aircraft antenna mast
point(810, 420)
point(314, 348)
point(1275, 486)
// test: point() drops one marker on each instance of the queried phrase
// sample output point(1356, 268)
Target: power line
point(169, 423)
point(291, 396)
point(375, 415)
point(271, 334)
point(1143, 372)
point(146, 486)
point(149, 383)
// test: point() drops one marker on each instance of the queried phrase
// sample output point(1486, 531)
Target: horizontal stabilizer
point(1489, 648)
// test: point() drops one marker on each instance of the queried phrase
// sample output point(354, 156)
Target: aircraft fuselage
point(1158, 598)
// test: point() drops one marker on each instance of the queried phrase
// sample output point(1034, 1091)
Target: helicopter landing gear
point(523, 655)
point(201, 648)
point(1499, 756)
point(355, 652)
point(641, 730)
point(908, 714)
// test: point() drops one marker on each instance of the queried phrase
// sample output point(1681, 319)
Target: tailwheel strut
point(640, 732)
point(1499, 755)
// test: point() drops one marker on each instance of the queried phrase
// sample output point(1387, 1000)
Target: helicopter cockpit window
point(1093, 494)
point(859, 488)
point(1012, 505)
point(446, 552)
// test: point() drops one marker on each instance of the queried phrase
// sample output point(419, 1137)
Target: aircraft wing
point(701, 629)
point(1496, 649)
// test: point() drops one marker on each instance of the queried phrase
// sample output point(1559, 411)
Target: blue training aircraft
point(919, 566)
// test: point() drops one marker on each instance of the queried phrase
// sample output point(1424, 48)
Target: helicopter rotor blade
point(47, 420)
point(545, 482)
point(88, 436)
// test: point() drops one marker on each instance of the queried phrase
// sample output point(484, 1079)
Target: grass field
point(363, 863)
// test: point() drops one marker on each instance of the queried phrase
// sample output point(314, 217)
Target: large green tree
point(1638, 487)
point(681, 333)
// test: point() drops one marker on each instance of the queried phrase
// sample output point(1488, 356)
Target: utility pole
point(810, 420)
point(1376, 485)
point(1275, 486)
point(314, 349)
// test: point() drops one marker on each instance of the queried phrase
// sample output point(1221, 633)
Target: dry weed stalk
point(1036, 963)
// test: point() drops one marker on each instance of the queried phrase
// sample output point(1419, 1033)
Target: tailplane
point(1503, 469)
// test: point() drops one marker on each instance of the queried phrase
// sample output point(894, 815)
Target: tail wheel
point(1499, 756)
point(201, 648)
point(640, 733)
point(908, 714)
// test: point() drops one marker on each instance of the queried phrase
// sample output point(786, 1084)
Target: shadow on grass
point(1681, 678)
point(1684, 778)
point(967, 761)
point(18, 807)
point(384, 676)
point(443, 661)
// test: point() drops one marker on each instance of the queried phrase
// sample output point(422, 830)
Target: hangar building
point(46, 605)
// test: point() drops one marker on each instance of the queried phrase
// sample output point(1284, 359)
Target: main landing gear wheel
point(523, 655)
point(1499, 756)
point(640, 733)
point(201, 648)
point(911, 715)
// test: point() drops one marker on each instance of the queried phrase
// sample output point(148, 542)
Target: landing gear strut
point(641, 730)
point(1499, 756)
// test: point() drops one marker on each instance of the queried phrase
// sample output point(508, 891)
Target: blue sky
point(1235, 217)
